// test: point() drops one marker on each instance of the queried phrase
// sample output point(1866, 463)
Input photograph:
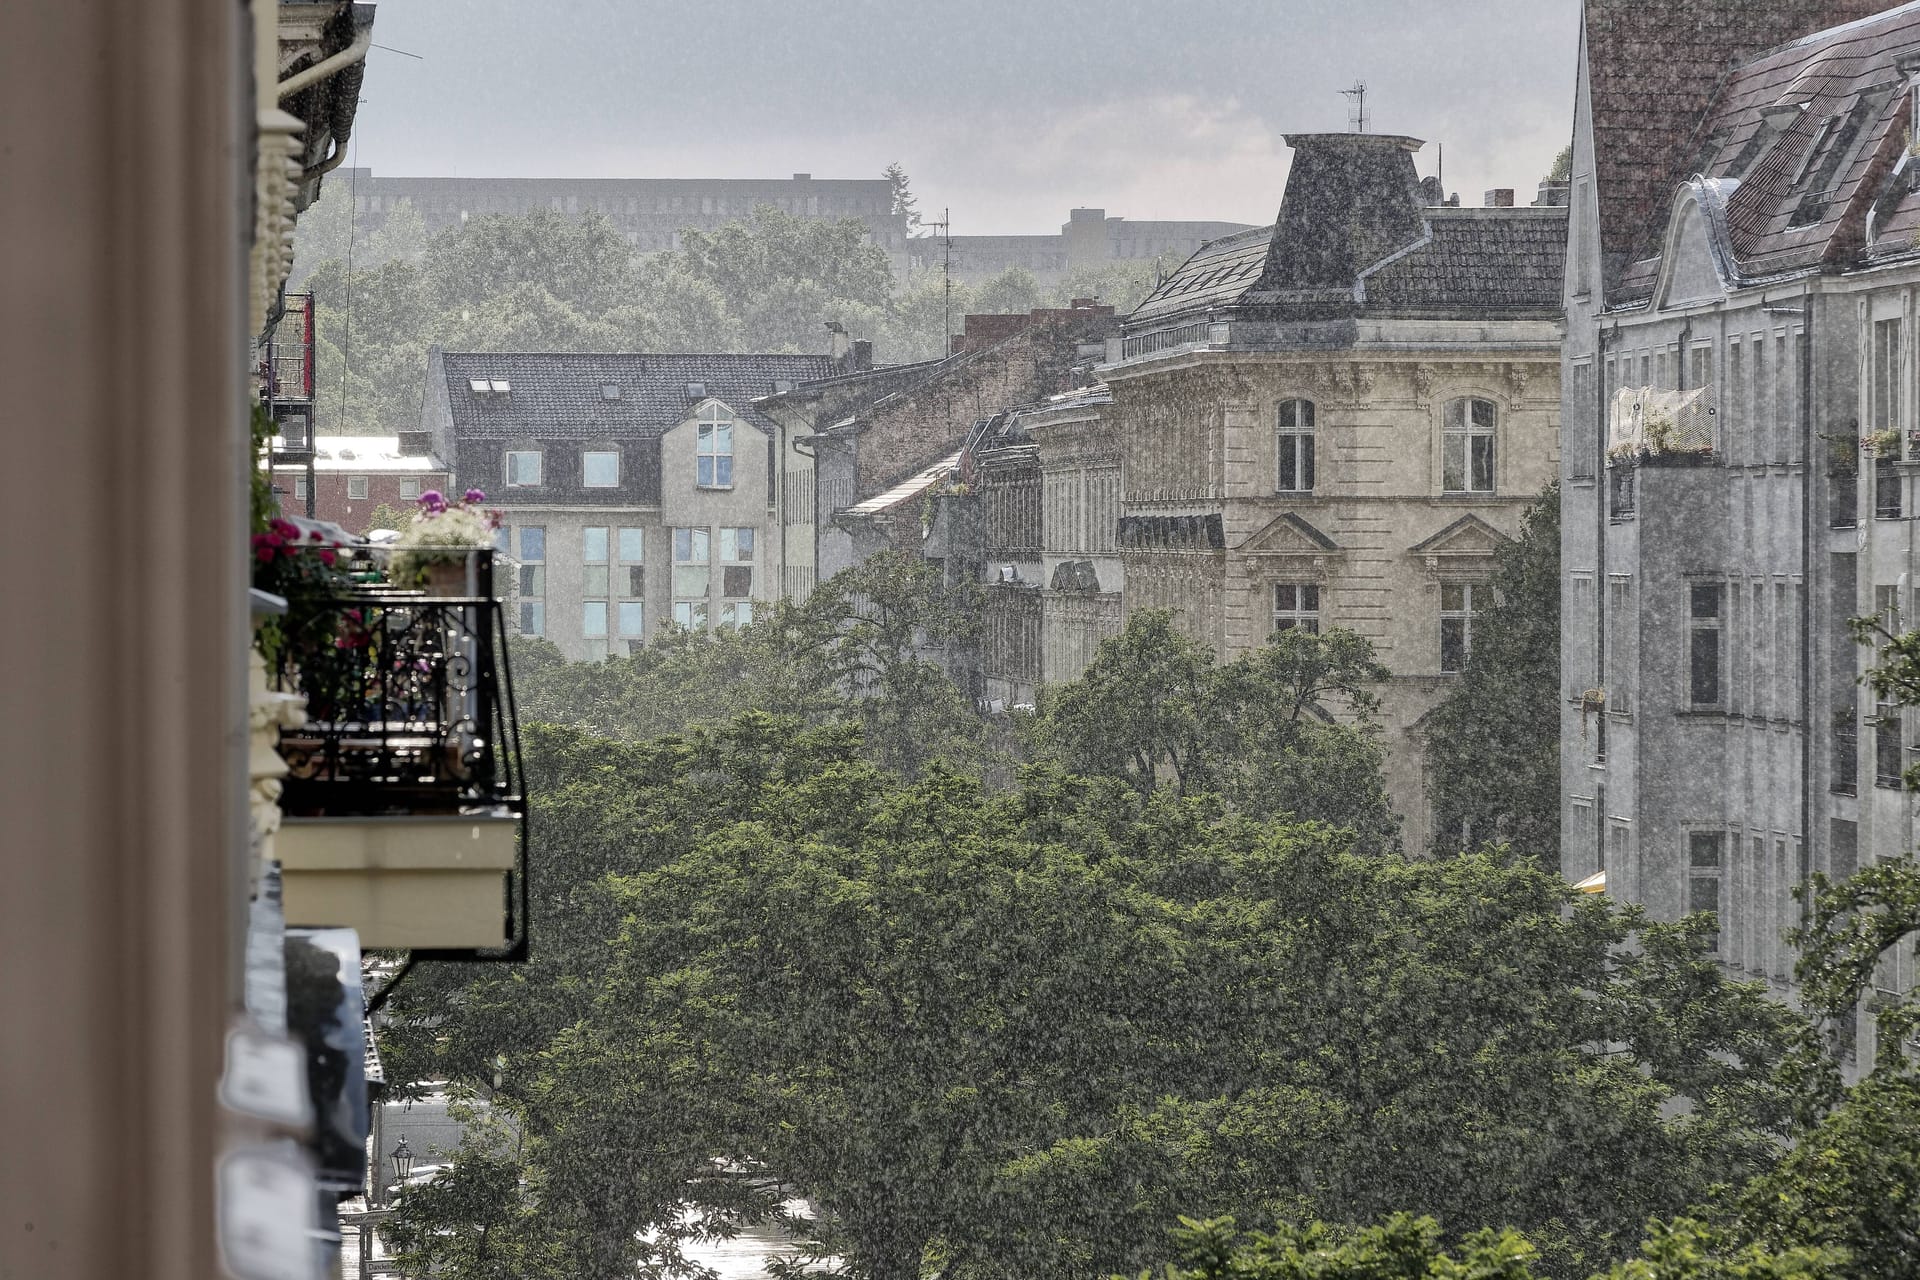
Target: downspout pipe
point(1807, 532)
point(355, 52)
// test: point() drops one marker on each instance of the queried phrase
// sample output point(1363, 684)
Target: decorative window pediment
point(1291, 546)
point(1464, 551)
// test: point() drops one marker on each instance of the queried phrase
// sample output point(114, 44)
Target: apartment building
point(638, 490)
point(1738, 461)
point(1336, 421)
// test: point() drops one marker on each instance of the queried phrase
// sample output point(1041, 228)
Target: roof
point(369, 454)
point(1653, 69)
point(1792, 193)
point(907, 489)
point(563, 394)
point(1355, 235)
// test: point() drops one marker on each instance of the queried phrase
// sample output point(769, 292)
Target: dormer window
point(523, 468)
point(713, 465)
point(600, 469)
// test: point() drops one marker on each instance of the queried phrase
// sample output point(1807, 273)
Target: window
point(690, 546)
point(1703, 652)
point(1886, 375)
point(1622, 628)
point(593, 561)
point(1459, 602)
point(593, 619)
point(533, 618)
point(1887, 503)
point(633, 618)
point(691, 614)
point(633, 545)
point(600, 469)
point(300, 488)
point(503, 540)
point(1467, 446)
point(1704, 858)
point(533, 573)
point(409, 489)
point(736, 580)
point(1887, 731)
point(1846, 746)
point(714, 451)
point(523, 468)
point(1296, 446)
point(736, 613)
point(736, 545)
point(692, 553)
point(1296, 605)
point(356, 488)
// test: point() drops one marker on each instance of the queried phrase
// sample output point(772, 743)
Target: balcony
point(404, 813)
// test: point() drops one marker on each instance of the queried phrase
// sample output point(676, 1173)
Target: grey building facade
point(1742, 282)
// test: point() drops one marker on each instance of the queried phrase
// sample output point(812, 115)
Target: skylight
point(609, 391)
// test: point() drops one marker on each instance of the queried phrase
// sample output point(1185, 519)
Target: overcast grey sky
point(1010, 111)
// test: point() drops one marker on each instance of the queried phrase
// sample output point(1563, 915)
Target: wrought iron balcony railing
point(409, 705)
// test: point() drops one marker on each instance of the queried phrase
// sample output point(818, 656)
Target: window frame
point(713, 465)
point(507, 469)
point(586, 468)
point(1706, 645)
point(1461, 619)
point(406, 483)
point(587, 624)
point(358, 487)
point(1295, 446)
point(639, 631)
point(1296, 606)
point(1468, 435)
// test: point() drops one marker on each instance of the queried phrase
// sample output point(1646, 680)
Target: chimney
point(1553, 195)
point(862, 354)
point(1499, 198)
point(837, 345)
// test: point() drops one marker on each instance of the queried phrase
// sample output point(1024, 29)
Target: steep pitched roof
point(1653, 70)
point(1355, 236)
point(562, 394)
point(1799, 146)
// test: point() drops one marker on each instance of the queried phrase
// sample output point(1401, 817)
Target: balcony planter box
point(428, 883)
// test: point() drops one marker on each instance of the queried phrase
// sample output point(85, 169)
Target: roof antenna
point(1357, 117)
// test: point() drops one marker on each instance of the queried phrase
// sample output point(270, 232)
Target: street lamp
point(402, 1157)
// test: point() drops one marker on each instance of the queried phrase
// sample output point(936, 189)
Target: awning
point(1595, 883)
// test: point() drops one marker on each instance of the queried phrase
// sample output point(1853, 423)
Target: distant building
point(353, 476)
point(1087, 241)
point(863, 453)
point(638, 489)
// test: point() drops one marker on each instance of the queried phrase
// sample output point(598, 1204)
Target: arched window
point(714, 456)
point(1467, 446)
point(1296, 446)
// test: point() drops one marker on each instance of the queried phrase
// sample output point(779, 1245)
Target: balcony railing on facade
point(1186, 335)
point(409, 707)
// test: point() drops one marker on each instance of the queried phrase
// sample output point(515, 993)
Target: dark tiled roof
point(1218, 272)
point(1355, 236)
point(1479, 260)
point(559, 394)
point(1796, 195)
point(1654, 68)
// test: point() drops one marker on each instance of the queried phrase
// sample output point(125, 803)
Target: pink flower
point(474, 495)
point(433, 500)
point(286, 529)
point(264, 555)
point(327, 557)
point(317, 536)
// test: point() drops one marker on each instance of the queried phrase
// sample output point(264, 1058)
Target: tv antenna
point(1357, 117)
point(946, 274)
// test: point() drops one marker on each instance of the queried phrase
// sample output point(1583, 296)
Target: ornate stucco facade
point(1326, 426)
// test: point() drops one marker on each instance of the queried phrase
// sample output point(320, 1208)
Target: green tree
point(1562, 168)
point(1493, 743)
point(1153, 708)
point(903, 204)
point(1408, 1248)
point(1012, 292)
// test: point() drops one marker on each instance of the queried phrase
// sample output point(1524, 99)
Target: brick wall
point(332, 498)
